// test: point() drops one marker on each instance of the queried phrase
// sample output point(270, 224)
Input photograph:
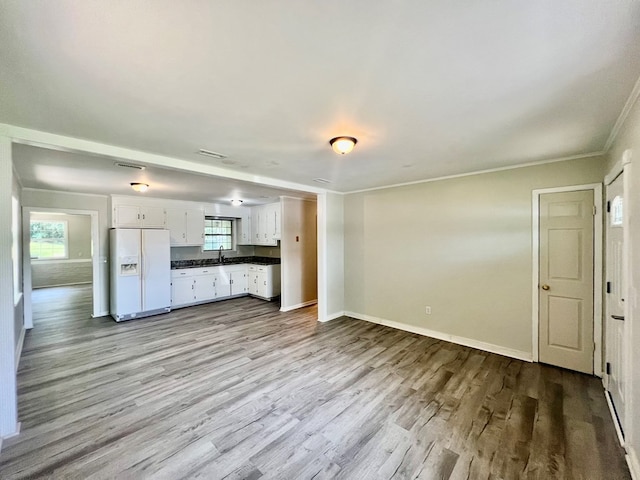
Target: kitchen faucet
point(220, 255)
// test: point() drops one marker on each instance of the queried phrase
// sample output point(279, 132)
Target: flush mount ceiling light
point(140, 187)
point(343, 145)
point(236, 203)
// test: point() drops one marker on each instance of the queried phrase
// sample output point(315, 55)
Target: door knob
point(545, 287)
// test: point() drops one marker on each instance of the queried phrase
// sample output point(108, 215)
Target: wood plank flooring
point(239, 390)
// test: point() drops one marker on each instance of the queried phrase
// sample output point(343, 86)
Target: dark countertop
point(213, 262)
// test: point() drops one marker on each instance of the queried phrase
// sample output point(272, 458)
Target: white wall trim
point(634, 465)
point(62, 261)
point(46, 190)
point(597, 268)
point(19, 347)
point(633, 96)
point(480, 172)
point(467, 342)
point(614, 418)
point(333, 316)
point(618, 167)
point(299, 305)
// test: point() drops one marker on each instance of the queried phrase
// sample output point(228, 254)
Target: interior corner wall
point(461, 246)
point(628, 138)
point(50, 199)
point(298, 251)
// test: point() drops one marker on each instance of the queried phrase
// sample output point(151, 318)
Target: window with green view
point(48, 240)
point(218, 232)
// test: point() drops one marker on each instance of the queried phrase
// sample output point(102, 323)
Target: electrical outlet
point(427, 310)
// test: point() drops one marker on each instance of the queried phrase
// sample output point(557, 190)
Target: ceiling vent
point(130, 165)
point(209, 153)
point(321, 180)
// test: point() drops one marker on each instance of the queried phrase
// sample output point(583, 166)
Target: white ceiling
point(67, 171)
point(429, 88)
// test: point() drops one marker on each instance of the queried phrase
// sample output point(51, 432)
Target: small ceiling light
point(139, 187)
point(236, 203)
point(343, 145)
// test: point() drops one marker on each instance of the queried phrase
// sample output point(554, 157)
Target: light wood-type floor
point(238, 390)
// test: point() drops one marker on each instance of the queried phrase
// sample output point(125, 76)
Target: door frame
point(26, 258)
point(623, 165)
point(597, 268)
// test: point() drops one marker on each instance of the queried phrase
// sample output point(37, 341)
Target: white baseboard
point(634, 464)
point(299, 305)
point(467, 342)
point(101, 314)
point(14, 434)
point(614, 418)
point(19, 347)
point(333, 316)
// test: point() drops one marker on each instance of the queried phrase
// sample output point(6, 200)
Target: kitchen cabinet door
point(153, 217)
point(239, 283)
point(126, 216)
point(194, 227)
point(182, 291)
point(205, 287)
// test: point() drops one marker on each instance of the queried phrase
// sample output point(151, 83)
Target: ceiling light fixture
point(343, 145)
point(140, 187)
point(236, 203)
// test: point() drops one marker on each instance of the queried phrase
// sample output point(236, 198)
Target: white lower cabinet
point(182, 289)
point(197, 285)
point(264, 281)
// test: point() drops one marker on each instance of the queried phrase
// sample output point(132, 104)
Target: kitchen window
point(218, 232)
point(49, 240)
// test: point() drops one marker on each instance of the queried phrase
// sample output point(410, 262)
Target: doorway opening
point(60, 255)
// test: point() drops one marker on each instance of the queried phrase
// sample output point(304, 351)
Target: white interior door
point(566, 280)
point(614, 322)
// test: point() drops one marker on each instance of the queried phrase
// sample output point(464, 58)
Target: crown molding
point(633, 97)
point(480, 172)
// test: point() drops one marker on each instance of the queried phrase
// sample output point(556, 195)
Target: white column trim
point(323, 287)
point(8, 392)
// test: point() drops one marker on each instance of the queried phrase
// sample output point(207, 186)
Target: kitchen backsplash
point(196, 253)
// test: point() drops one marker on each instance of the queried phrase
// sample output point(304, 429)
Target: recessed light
point(130, 165)
point(236, 202)
point(209, 153)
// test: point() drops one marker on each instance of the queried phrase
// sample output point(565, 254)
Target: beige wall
point(299, 257)
point(78, 233)
point(629, 138)
point(461, 246)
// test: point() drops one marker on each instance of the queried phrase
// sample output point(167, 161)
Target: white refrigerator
point(140, 273)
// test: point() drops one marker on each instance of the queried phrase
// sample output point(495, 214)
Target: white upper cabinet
point(132, 216)
point(243, 230)
point(265, 224)
point(186, 227)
